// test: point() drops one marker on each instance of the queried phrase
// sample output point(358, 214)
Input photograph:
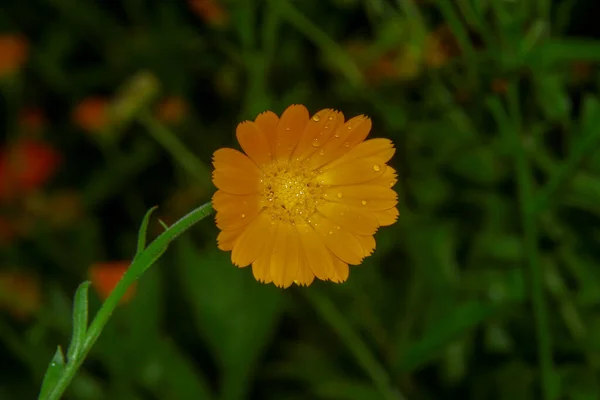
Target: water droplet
point(325, 127)
point(338, 227)
point(331, 117)
point(316, 118)
point(376, 168)
point(243, 215)
point(336, 135)
point(364, 202)
point(339, 195)
point(287, 129)
point(321, 152)
point(392, 183)
point(349, 127)
point(346, 144)
point(316, 143)
point(331, 232)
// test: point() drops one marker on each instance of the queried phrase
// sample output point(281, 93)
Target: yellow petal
point(344, 138)
point(318, 257)
point(267, 123)
point(368, 243)
point(254, 142)
point(304, 277)
point(284, 257)
point(341, 271)
point(351, 173)
point(367, 197)
point(289, 129)
point(251, 242)
point(350, 218)
point(226, 239)
point(387, 217)
point(236, 211)
point(382, 149)
point(235, 173)
point(316, 133)
point(261, 268)
point(342, 243)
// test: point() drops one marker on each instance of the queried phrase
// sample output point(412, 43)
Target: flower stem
point(139, 265)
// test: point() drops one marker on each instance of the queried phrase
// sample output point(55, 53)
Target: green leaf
point(141, 242)
point(80, 320)
point(235, 313)
point(53, 373)
point(346, 390)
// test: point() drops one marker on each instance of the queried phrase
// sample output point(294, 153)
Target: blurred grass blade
point(556, 51)
point(80, 320)
point(326, 309)
point(142, 234)
point(136, 95)
point(53, 373)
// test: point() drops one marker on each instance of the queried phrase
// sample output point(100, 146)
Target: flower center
point(291, 192)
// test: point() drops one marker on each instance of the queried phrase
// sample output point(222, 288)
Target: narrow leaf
point(55, 368)
point(143, 230)
point(160, 221)
point(80, 320)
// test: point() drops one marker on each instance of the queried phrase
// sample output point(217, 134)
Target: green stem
point(177, 149)
point(530, 233)
point(139, 265)
point(359, 349)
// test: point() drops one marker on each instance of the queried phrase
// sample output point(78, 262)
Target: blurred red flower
point(91, 114)
point(14, 51)
point(106, 275)
point(25, 166)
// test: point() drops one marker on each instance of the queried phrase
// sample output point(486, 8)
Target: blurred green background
point(487, 287)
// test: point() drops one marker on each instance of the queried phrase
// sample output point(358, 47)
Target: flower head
point(306, 198)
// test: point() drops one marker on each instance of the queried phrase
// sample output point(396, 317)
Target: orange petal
point(342, 243)
point(388, 179)
point(226, 239)
point(254, 142)
point(304, 277)
point(341, 271)
point(235, 173)
point(367, 197)
point(251, 242)
point(289, 129)
point(382, 149)
point(261, 268)
point(105, 276)
point(351, 173)
point(344, 138)
point(267, 123)
point(368, 243)
point(318, 130)
point(318, 256)
point(387, 217)
point(284, 260)
point(350, 218)
point(236, 211)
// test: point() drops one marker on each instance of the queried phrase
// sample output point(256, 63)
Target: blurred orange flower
point(14, 50)
point(25, 166)
point(20, 293)
point(106, 275)
point(172, 110)
point(440, 47)
point(306, 198)
point(91, 114)
point(211, 11)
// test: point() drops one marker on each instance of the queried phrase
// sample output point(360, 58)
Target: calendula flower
point(14, 51)
point(91, 114)
point(306, 198)
point(106, 275)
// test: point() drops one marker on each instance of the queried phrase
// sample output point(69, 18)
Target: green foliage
point(487, 287)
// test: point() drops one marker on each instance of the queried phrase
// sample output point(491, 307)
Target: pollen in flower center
point(291, 191)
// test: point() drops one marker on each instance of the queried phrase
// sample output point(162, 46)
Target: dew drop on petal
point(339, 195)
point(321, 152)
point(287, 129)
point(364, 202)
point(376, 168)
point(243, 215)
point(346, 144)
point(336, 135)
point(392, 183)
point(349, 127)
point(316, 143)
point(316, 118)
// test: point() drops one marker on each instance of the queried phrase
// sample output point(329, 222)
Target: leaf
point(141, 242)
point(236, 314)
point(53, 373)
point(80, 320)
point(443, 332)
point(346, 390)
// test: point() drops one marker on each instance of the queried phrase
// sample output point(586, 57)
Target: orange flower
point(105, 276)
point(91, 114)
point(14, 51)
point(211, 11)
point(25, 166)
point(20, 293)
point(306, 198)
point(172, 110)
